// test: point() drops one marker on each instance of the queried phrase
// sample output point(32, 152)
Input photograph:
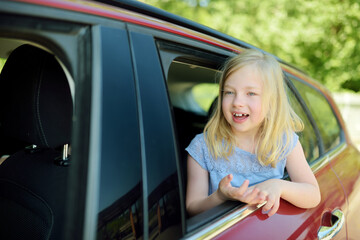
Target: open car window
point(192, 84)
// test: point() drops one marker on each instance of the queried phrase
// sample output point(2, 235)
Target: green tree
point(320, 37)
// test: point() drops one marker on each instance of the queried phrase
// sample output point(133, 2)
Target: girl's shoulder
point(293, 139)
point(199, 139)
point(289, 143)
point(197, 149)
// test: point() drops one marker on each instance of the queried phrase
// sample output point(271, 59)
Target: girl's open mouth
point(240, 116)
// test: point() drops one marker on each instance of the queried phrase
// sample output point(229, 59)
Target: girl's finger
point(269, 204)
point(275, 207)
point(244, 187)
point(262, 197)
point(249, 198)
point(226, 181)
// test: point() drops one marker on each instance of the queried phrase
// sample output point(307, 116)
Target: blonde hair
point(275, 133)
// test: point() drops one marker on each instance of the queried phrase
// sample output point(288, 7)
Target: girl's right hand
point(243, 193)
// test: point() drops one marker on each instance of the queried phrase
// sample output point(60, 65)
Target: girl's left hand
point(270, 191)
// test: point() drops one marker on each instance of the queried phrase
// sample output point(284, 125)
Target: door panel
point(347, 167)
point(291, 222)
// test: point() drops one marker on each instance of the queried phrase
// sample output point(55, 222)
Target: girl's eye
point(251, 94)
point(228, 92)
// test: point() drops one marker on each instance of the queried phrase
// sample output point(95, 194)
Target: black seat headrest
point(35, 103)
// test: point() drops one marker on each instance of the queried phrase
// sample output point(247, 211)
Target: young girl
point(249, 141)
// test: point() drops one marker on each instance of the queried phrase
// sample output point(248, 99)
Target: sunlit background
point(320, 37)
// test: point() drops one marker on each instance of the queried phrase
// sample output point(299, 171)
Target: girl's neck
point(246, 142)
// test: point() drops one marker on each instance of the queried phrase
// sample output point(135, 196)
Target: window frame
point(168, 51)
point(322, 151)
point(309, 116)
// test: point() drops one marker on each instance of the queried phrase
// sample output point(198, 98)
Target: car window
point(322, 113)
point(120, 213)
point(192, 89)
point(161, 181)
point(307, 137)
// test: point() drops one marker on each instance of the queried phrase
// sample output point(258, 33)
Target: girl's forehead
point(248, 76)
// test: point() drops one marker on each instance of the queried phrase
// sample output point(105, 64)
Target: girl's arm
point(303, 190)
point(197, 199)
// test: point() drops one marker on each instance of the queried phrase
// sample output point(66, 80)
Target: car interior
point(190, 114)
point(36, 110)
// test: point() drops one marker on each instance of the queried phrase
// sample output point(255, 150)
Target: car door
point(346, 164)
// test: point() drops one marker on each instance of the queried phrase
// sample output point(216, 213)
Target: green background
point(319, 37)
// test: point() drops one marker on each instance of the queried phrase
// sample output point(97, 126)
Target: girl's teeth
point(240, 115)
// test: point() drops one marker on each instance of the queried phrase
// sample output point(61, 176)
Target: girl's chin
point(244, 130)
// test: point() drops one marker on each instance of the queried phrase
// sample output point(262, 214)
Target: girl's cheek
point(225, 102)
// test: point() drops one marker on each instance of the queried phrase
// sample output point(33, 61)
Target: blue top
point(242, 164)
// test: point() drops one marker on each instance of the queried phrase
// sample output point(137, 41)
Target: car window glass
point(307, 137)
point(161, 182)
point(120, 213)
point(322, 113)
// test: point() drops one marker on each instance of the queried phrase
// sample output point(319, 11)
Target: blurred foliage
point(2, 63)
point(320, 37)
point(204, 94)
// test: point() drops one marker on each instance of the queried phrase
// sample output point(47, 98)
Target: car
point(99, 100)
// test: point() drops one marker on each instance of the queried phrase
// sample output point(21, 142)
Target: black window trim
point(307, 112)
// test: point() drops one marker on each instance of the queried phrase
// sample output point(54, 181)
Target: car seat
point(36, 109)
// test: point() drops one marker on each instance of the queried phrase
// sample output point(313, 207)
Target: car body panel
point(347, 167)
point(291, 222)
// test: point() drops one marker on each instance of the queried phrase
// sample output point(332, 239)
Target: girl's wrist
point(220, 196)
point(280, 183)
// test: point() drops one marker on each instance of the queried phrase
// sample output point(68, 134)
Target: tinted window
point(322, 114)
point(307, 137)
point(120, 204)
point(161, 184)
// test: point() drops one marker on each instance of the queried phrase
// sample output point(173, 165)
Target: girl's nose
point(239, 100)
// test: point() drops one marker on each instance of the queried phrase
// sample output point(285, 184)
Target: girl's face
point(242, 99)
